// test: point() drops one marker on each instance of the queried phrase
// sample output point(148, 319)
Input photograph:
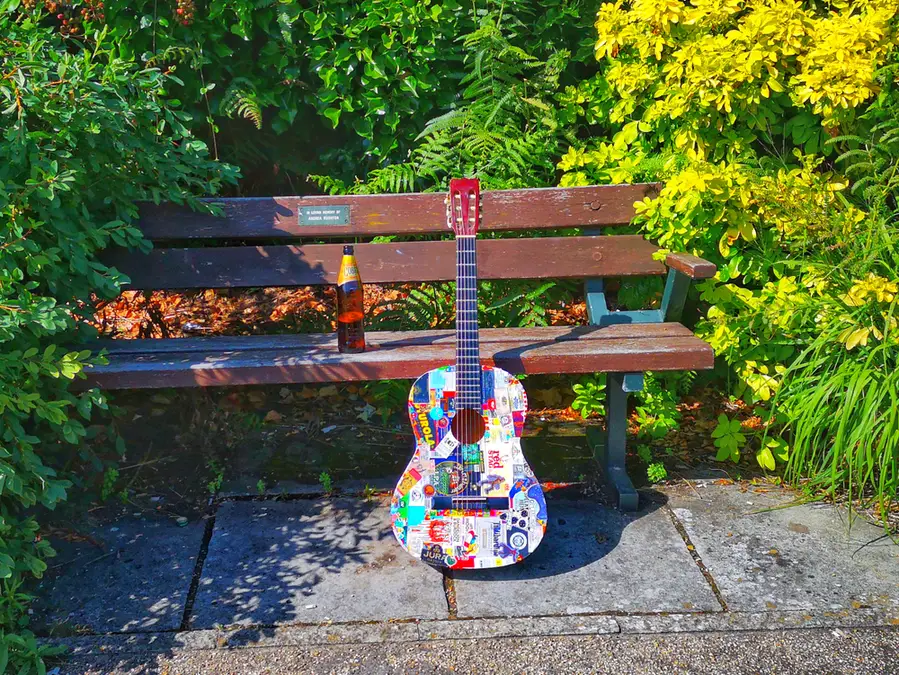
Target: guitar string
point(464, 369)
point(460, 309)
point(470, 360)
point(461, 337)
point(469, 326)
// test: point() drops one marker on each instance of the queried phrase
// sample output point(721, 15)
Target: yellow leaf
point(844, 334)
point(724, 246)
point(765, 459)
point(859, 336)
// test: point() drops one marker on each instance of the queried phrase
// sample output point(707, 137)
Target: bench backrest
point(256, 243)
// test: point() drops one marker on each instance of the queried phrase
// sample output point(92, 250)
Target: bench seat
point(284, 359)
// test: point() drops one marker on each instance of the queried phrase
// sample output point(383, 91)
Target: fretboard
point(468, 364)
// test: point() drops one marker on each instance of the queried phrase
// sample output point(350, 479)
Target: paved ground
point(704, 578)
point(863, 651)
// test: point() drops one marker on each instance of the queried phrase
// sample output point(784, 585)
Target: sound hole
point(468, 426)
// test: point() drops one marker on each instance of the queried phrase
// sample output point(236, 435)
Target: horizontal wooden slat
point(314, 358)
point(297, 341)
point(693, 267)
point(417, 213)
point(318, 264)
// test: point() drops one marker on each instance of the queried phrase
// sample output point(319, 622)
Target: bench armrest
point(693, 267)
point(683, 270)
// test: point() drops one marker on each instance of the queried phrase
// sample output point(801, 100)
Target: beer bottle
point(350, 312)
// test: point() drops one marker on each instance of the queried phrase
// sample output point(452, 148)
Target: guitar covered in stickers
point(468, 498)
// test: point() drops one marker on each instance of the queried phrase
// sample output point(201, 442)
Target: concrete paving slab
point(774, 622)
point(240, 637)
point(309, 561)
point(135, 577)
point(593, 559)
point(794, 558)
point(464, 629)
point(244, 486)
point(769, 620)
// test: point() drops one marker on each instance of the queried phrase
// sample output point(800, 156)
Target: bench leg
point(612, 451)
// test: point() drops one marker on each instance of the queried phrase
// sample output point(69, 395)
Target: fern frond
point(332, 186)
point(174, 54)
point(505, 128)
point(240, 99)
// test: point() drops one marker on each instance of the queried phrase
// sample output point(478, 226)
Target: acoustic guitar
point(468, 498)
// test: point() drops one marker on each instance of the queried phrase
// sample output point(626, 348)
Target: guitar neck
point(468, 364)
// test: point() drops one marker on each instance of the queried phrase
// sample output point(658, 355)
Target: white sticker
point(445, 447)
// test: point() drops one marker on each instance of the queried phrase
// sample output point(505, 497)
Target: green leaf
point(36, 566)
point(765, 459)
point(7, 565)
point(333, 114)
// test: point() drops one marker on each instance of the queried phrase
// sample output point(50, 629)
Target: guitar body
point(475, 505)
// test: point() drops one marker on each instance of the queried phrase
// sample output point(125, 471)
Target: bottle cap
point(348, 250)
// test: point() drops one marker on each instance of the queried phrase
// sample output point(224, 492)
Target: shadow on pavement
point(578, 534)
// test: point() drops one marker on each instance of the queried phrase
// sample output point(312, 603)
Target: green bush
point(85, 135)
point(505, 129)
point(743, 110)
point(285, 88)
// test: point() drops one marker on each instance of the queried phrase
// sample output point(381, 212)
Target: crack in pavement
point(449, 588)
point(682, 531)
point(198, 569)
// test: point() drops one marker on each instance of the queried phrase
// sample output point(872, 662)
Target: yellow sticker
point(348, 270)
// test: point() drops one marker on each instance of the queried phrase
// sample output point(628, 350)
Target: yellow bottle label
point(348, 270)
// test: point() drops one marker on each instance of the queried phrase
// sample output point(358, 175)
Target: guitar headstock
point(463, 206)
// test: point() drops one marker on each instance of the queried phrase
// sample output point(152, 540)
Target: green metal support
point(598, 308)
point(676, 287)
point(611, 449)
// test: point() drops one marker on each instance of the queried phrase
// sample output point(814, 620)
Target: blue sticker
point(415, 515)
point(436, 413)
point(420, 393)
point(487, 384)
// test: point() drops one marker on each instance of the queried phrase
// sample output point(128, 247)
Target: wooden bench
point(256, 244)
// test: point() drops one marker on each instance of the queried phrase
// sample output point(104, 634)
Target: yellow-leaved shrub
point(740, 108)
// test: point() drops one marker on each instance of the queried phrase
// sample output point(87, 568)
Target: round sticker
point(450, 478)
point(429, 490)
point(518, 540)
point(436, 413)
